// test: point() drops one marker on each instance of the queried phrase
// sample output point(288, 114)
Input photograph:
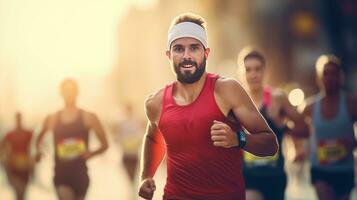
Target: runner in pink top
point(198, 122)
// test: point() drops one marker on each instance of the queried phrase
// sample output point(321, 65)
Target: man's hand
point(147, 188)
point(87, 155)
point(222, 135)
point(300, 156)
point(38, 156)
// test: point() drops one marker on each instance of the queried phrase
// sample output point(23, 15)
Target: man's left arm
point(260, 139)
point(300, 128)
point(94, 123)
point(3, 148)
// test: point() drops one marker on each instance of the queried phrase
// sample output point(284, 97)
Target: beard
point(188, 77)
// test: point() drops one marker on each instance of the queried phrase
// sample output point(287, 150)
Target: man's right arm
point(153, 150)
point(38, 142)
point(3, 147)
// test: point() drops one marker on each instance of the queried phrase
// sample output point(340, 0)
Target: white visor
point(187, 29)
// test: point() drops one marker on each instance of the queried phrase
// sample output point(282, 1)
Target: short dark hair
point(257, 55)
point(324, 60)
point(68, 81)
point(189, 17)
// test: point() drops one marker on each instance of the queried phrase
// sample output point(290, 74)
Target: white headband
point(187, 29)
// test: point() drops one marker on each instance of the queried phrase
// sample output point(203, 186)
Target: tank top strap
point(57, 120)
point(167, 97)
point(316, 112)
point(343, 109)
point(80, 118)
point(267, 97)
point(210, 83)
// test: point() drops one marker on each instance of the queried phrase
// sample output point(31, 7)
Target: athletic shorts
point(74, 176)
point(341, 182)
point(24, 175)
point(271, 187)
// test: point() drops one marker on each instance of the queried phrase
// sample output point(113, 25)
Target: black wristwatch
point(241, 139)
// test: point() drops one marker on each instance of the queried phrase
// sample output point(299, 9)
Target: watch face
point(242, 139)
point(241, 135)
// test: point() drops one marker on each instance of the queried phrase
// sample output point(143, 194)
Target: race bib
point(252, 160)
point(70, 148)
point(130, 144)
point(332, 151)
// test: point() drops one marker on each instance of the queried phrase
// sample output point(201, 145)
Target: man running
point(265, 178)
point(200, 119)
point(18, 162)
point(71, 126)
point(129, 135)
point(331, 115)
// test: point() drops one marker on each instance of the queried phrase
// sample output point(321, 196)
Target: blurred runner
point(265, 178)
point(200, 120)
point(18, 162)
point(71, 126)
point(331, 115)
point(129, 136)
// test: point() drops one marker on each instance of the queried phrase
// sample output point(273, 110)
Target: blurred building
point(292, 34)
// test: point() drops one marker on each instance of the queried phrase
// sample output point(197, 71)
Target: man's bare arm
point(95, 124)
point(153, 150)
point(300, 128)
point(261, 140)
point(44, 129)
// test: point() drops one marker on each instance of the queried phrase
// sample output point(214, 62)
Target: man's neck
point(189, 92)
point(19, 128)
point(332, 96)
point(70, 107)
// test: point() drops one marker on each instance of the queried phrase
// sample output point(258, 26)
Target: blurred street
point(109, 181)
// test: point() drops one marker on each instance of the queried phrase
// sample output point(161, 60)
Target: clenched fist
point(147, 188)
point(222, 135)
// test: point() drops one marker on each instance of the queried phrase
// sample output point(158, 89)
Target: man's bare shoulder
point(227, 85)
point(153, 104)
point(88, 116)
point(230, 92)
point(154, 99)
point(51, 119)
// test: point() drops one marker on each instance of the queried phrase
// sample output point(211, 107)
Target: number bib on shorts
point(332, 151)
point(254, 161)
point(70, 148)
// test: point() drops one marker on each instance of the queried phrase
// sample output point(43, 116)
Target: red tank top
point(19, 141)
point(19, 156)
point(195, 168)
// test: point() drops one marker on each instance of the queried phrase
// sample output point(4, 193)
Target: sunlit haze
point(44, 41)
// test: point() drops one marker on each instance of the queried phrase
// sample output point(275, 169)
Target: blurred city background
point(115, 49)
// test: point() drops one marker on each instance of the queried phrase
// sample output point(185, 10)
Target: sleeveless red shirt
point(196, 169)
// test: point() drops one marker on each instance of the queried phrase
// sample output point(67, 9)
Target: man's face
point(254, 70)
point(188, 58)
point(331, 77)
point(69, 92)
